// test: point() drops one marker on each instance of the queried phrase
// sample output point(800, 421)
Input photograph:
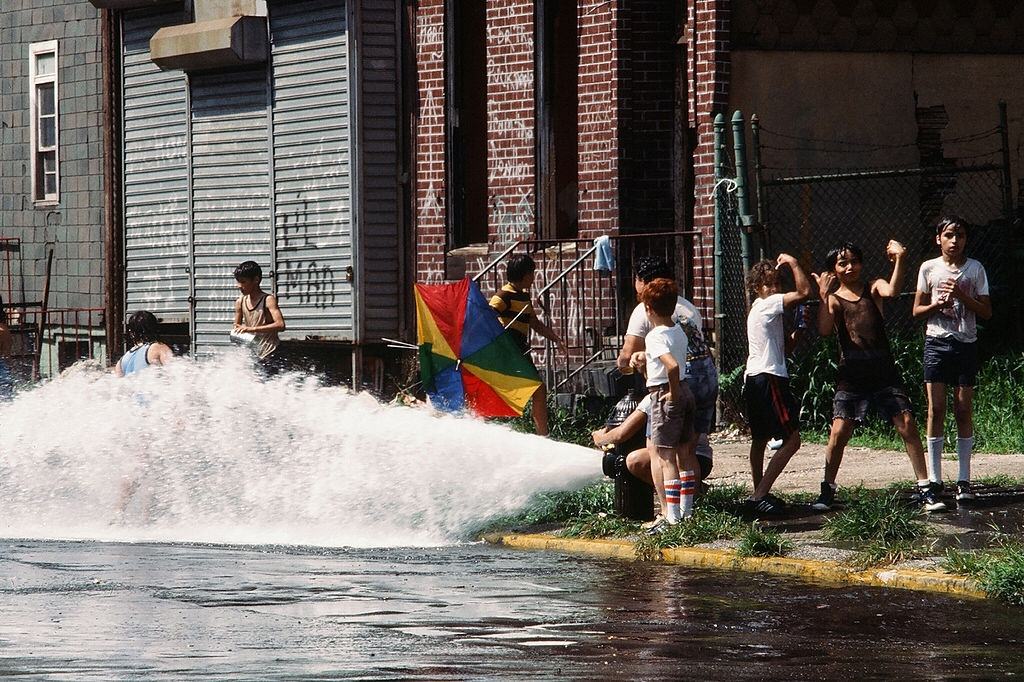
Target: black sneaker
point(826, 498)
point(964, 493)
point(777, 500)
point(929, 497)
point(765, 506)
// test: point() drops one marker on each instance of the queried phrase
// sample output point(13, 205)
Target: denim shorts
point(702, 378)
point(951, 362)
point(889, 402)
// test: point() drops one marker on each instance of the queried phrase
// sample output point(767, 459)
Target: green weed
point(874, 516)
point(725, 497)
point(706, 525)
point(998, 403)
point(999, 572)
point(557, 507)
point(761, 542)
point(601, 525)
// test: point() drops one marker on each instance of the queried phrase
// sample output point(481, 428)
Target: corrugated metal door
point(312, 178)
point(230, 194)
point(156, 217)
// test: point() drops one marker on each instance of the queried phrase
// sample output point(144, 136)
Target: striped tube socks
point(672, 500)
point(687, 487)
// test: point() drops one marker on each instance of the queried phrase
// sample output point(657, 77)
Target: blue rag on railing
point(604, 259)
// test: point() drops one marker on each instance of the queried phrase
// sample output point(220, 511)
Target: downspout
point(113, 246)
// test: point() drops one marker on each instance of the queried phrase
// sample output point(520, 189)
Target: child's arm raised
point(826, 316)
point(891, 289)
point(803, 285)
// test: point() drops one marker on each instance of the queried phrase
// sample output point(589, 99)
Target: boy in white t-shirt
point(672, 404)
point(772, 411)
point(952, 292)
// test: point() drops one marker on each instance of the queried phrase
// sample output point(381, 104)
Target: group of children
point(258, 320)
point(665, 343)
point(952, 293)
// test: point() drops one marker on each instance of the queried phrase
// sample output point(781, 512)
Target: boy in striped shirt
point(515, 312)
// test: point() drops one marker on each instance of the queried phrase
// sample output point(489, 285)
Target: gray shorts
point(702, 378)
point(671, 422)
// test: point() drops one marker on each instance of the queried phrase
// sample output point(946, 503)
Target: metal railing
point(588, 308)
point(46, 342)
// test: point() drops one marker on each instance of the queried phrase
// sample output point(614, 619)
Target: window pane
point(49, 163)
point(44, 99)
point(48, 131)
point(51, 184)
point(45, 64)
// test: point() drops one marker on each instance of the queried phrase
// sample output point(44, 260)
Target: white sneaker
point(775, 443)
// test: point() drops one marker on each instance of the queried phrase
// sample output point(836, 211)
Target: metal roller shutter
point(312, 178)
point(230, 194)
point(156, 217)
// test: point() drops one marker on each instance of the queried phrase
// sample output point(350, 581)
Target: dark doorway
point(466, 121)
point(557, 103)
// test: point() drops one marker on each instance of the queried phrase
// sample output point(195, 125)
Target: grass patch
point(601, 525)
point(1000, 481)
point(557, 507)
point(706, 525)
point(726, 497)
point(879, 525)
point(999, 572)
point(761, 542)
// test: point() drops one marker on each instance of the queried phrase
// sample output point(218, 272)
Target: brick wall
point(511, 162)
point(429, 143)
point(599, 171)
point(709, 77)
point(74, 227)
point(647, 103)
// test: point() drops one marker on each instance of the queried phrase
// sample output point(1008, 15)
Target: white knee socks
point(963, 454)
point(935, 458)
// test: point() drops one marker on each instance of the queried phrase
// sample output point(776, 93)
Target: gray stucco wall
point(74, 227)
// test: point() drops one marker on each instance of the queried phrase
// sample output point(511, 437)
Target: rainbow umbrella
point(467, 360)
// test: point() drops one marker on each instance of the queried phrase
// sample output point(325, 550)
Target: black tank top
point(865, 361)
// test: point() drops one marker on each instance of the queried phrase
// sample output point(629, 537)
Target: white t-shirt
point(956, 321)
point(685, 314)
point(766, 342)
point(662, 340)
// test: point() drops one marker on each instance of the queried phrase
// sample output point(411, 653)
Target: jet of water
point(212, 453)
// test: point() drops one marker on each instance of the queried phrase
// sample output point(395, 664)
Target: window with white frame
point(43, 105)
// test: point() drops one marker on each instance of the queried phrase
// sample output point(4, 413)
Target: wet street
point(116, 611)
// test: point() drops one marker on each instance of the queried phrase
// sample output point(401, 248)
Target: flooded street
point(115, 611)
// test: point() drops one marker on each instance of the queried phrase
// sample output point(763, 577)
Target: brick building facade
point(643, 133)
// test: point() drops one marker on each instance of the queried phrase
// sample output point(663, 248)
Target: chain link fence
point(807, 214)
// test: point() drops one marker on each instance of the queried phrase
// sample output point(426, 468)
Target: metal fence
point(807, 213)
point(588, 308)
point(46, 342)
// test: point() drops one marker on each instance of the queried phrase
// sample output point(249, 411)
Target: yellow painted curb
point(807, 569)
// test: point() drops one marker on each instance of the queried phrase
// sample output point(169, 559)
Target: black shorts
point(772, 411)
point(951, 362)
point(705, 464)
point(888, 402)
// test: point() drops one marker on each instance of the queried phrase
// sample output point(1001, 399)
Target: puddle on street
point(101, 611)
